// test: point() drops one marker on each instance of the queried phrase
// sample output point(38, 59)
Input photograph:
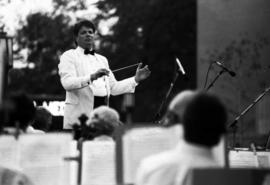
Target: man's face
point(85, 38)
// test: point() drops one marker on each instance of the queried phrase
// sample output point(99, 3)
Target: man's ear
point(75, 41)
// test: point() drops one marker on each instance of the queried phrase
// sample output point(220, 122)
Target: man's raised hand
point(142, 73)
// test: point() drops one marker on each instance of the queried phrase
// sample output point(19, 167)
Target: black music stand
point(77, 159)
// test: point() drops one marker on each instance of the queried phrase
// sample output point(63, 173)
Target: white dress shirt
point(171, 167)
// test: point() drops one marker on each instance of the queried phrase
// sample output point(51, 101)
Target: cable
point(206, 78)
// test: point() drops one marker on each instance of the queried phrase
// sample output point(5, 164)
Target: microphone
point(232, 73)
point(180, 67)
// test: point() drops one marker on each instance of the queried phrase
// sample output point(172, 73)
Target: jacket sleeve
point(120, 87)
point(123, 86)
point(70, 80)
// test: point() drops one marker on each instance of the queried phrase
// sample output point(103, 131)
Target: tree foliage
point(44, 37)
point(154, 32)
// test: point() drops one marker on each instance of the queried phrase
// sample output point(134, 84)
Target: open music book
point(38, 156)
point(98, 163)
point(249, 159)
point(139, 143)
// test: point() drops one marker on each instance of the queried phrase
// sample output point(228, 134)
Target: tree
point(44, 37)
point(153, 32)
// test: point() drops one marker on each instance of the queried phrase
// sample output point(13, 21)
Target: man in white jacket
point(85, 74)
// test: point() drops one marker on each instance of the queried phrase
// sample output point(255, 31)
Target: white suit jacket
point(75, 70)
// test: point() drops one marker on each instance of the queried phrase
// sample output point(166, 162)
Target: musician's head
point(22, 111)
point(104, 120)
point(43, 119)
point(84, 32)
point(177, 106)
point(204, 120)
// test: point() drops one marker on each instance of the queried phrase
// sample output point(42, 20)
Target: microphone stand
point(158, 115)
point(233, 125)
point(215, 79)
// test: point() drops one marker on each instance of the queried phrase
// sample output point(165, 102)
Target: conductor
point(87, 78)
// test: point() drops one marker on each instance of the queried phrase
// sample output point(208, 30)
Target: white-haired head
point(105, 114)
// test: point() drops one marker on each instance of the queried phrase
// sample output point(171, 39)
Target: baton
point(125, 67)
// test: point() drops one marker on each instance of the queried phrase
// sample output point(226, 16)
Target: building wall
point(236, 33)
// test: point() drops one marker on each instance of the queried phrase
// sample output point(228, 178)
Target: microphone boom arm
point(233, 124)
point(215, 79)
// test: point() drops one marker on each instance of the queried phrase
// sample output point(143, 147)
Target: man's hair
point(23, 111)
point(204, 120)
point(82, 23)
point(43, 119)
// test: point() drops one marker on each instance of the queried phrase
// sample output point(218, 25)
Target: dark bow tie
point(87, 51)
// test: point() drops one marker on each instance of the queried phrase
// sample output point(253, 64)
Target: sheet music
point(98, 163)
point(243, 159)
point(9, 152)
point(73, 165)
point(52, 175)
point(139, 143)
point(41, 158)
point(38, 156)
point(263, 159)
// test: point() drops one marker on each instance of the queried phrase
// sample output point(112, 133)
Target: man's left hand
point(142, 73)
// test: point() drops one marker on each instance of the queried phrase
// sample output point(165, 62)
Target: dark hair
point(82, 23)
point(43, 119)
point(23, 111)
point(204, 120)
